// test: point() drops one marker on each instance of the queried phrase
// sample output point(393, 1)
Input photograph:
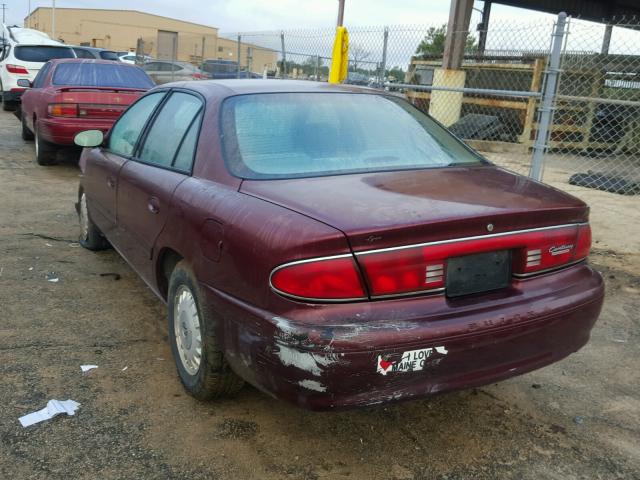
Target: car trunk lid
point(97, 102)
point(390, 209)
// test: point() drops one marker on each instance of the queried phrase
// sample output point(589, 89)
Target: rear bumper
point(12, 96)
point(338, 356)
point(61, 131)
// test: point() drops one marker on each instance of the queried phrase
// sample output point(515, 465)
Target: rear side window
point(108, 55)
point(124, 134)
point(41, 53)
point(169, 128)
point(101, 75)
point(38, 82)
point(82, 53)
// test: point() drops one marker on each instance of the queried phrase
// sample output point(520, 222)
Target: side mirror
point(24, 83)
point(89, 138)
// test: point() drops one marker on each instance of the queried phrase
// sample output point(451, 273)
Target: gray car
point(166, 71)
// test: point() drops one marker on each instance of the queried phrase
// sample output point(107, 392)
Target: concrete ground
point(578, 419)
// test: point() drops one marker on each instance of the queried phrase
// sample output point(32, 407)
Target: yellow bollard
point(340, 56)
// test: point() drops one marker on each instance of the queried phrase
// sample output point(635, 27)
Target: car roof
point(229, 88)
point(92, 49)
point(57, 61)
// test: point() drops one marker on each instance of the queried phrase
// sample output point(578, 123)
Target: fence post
point(383, 66)
point(284, 56)
point(317, 72)
point(239, 49)
point(548, 98)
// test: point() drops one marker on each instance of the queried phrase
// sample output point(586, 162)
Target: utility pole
point(29, 14)
point(340, 12)
point(53, 20)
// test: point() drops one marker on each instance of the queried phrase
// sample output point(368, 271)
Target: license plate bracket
point(477, 273)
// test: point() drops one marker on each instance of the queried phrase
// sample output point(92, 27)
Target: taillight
point(423, 268)
point(549, 249)
point(63, 109)
point(100, 111)
point(197, 76)
point(324, 279)
point(19, 69)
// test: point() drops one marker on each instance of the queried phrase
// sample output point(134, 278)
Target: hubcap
point(186, 325)
point(84, 218)
point(36, 142)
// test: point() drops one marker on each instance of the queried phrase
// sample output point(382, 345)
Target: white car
point(130, 57)
point(23, 52)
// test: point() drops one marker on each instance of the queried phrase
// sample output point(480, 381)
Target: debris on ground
point(86, 368)
point(608, 183)
point(52, 277)
point(116, 276)
point(53, 408)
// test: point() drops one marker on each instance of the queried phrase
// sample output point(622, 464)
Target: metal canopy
point(593, 10)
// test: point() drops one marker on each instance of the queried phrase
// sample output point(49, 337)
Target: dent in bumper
point(338, 365)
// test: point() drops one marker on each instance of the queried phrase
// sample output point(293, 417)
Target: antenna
point(4, 7)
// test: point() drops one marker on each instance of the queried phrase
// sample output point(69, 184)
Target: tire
point(45, 152)
point(27, 135)
point(208, 376)
point(90, 236)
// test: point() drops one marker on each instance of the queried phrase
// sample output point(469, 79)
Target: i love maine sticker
point(411, 361)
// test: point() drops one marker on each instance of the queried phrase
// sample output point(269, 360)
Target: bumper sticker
point(411, 361)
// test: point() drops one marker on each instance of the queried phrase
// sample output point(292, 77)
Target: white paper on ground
point(86, 368)
point(53, 408)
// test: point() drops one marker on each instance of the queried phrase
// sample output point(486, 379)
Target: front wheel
point(196, 350)
point(90, 236)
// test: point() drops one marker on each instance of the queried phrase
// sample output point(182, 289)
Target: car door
point(100, 175)
point(148, 181)
point(33, 96)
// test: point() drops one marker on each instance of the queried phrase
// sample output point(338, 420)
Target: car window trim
point(161, 102)
point(143, 137)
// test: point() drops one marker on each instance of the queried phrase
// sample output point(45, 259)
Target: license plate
point(478, 273)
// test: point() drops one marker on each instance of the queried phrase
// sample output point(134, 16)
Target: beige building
point(159, 37)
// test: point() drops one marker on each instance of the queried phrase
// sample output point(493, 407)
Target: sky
point(255, 15)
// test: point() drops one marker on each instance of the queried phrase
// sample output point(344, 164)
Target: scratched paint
point(309, 362)
point(411, 361)
point(312, 385)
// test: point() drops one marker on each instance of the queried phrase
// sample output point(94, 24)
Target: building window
point(220, 49)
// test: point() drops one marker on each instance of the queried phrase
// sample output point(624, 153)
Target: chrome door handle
point(111, 183)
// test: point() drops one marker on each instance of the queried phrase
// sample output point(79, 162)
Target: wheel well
point(167, 260)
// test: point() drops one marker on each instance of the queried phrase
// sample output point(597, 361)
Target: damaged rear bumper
point(338, 356)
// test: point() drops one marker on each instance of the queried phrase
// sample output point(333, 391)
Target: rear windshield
point(288, 135)
point(101, 75)
point(39, 53)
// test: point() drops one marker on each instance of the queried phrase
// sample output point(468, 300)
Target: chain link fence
point(595, 131)
point(560, 107)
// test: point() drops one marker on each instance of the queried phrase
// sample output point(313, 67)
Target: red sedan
point(71, 95)
point(333, 245)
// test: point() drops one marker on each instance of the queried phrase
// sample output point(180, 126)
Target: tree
point(395, 74)
point(433, 42)
point(357, 54)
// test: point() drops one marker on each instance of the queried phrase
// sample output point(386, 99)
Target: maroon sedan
point(334, 246)
point(71, 95)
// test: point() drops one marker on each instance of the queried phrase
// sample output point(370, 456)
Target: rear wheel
point(201, 366)
point(45, 152)
point(27, 134)
point(90, 236)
